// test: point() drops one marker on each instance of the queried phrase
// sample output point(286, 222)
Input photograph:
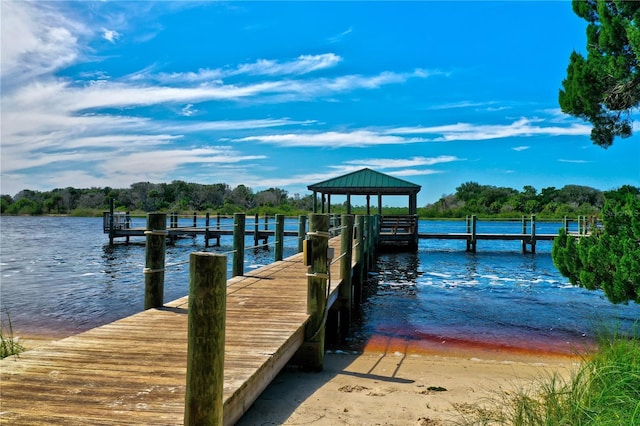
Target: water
point(58, 276)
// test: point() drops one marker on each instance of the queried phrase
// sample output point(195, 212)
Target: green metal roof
point(365, 181)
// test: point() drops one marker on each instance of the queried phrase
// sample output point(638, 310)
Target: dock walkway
point(133, 371)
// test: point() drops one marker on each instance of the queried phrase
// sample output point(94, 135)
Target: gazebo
point(364, 182)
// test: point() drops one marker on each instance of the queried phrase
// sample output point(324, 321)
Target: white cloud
point(521, 148)
point(303, 64)
point(562, 160)
point(111, 35)
point(523, 127)
point(393, 163)
point(42, 40)
point(330, 139)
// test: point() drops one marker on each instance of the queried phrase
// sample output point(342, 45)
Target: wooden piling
point(111, 230)
point(156, 235)
point(206, 339)
point(524, 231)
point(302, 230)
point(533, 233)
point(313, 347)
point(127, 225)
point(471, 243)
point(346, 295)
point(266, 228)
point(239, 220)
point(360, 269)
point(279, 237)
point(206, 229)
point(255, 230)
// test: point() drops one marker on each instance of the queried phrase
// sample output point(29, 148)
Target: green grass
point(9, 345)
point(604, 390)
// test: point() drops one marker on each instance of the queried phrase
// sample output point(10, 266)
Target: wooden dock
point(133, 370)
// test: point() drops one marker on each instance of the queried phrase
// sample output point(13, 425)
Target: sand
point(397, 388)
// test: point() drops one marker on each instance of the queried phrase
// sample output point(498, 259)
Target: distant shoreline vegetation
point(182, 197)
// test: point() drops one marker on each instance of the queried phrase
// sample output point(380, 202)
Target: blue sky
point(286, 94)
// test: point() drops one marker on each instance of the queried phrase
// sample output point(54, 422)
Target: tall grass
point(9, 345)
point(604, 390)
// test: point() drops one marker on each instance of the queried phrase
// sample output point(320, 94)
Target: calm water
point(59, 277)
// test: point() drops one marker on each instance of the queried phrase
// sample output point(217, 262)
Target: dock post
point(266, 228)
point(239, 220)
point(474, 226)
point(255, 230)
point(533, 233)
point(565, 224)
point(524, 231)
point(346, 295)
point(127, 224)
point(279, 237)
point(195, 219)
point(302, 231)
point(156, 234)
point(111, 230)
point(206, 229)
point(317, 277)
point(206, 339)
point(367, 242)
point(360, 259)
point(218, 229)
point(467, 223)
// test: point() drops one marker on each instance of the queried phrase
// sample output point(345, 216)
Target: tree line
point(179, 196)
point(487, 200)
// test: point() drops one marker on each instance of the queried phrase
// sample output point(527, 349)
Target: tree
point(604, 87)
point(609, 258)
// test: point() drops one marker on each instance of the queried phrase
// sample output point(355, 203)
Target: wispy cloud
point(358, 138)
point(339, 37)
point(394, 163)
point(303, 64)
point(524, 127)
point(562, 160)
point(521, 148)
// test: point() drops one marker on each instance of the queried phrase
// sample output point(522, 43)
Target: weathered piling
point(360, 268)
point(239, 220)
point(302, 230)
point(317, 277)
point(346, 292)
point(111, 225)
point(279, 237)
point(206, 229)
point(156, 235)
point(206, 339)
point(533, 233)
point(255, 230)
point(472, 225)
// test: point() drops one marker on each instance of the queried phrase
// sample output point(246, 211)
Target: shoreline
point(400, 388)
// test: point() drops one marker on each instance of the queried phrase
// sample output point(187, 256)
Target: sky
point(288, 94)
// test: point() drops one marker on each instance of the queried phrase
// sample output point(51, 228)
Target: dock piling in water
point(239, 220)
point(156, 234)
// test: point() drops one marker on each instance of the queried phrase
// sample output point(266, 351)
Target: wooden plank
point(133, 371)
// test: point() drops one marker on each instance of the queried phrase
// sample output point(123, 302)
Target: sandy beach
point(397, 387)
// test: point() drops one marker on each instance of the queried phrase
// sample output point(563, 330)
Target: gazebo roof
point(365, 182)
